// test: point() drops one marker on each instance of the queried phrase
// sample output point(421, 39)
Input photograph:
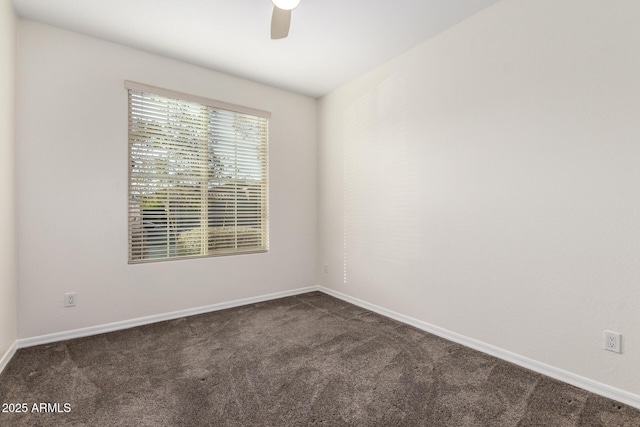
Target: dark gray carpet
point(297, 361)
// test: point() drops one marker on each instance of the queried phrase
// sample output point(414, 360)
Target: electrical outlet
point(612, 341)
point(70, 299)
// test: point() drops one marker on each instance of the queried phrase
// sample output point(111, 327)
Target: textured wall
point(488, 182)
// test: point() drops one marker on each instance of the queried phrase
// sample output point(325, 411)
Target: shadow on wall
point(381, 188)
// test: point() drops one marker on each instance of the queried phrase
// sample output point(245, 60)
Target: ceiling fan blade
point(280, 22)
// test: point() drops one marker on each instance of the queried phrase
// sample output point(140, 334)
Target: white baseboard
point(601, 389)
point(4, 360)
point(125, 324)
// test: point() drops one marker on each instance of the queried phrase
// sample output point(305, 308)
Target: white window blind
point(197, 176)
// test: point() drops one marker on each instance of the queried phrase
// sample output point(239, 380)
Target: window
point(197, 176)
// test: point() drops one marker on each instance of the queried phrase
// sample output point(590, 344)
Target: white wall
point(72, 187)
point(8, 248)
point(488, 182)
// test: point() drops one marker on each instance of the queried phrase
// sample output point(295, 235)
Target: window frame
point(264, 184)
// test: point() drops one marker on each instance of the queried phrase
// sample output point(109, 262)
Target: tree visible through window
point(197, 176)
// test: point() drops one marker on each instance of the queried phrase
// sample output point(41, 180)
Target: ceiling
point(330, 43)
